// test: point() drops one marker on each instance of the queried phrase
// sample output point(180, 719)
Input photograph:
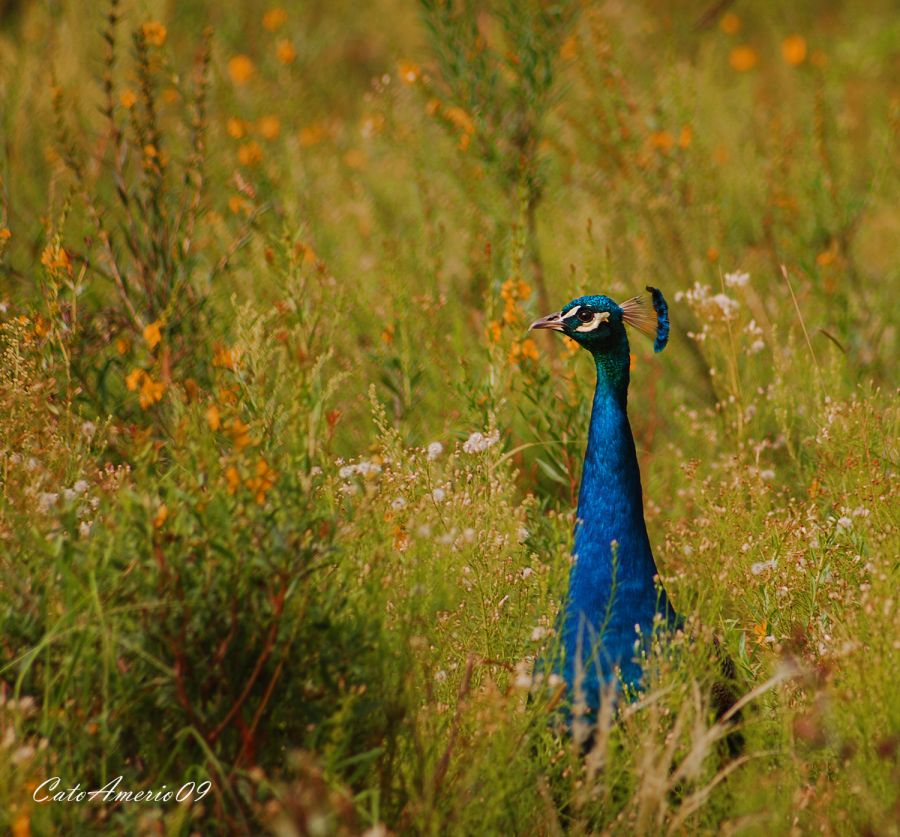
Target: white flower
point(80, 487)
point(347, 471)
point(478, 442)
point(526, 572)
point(84, 528)
point(762, 566)
point(726, 305)
point(767, 474)
point(737, 279)
point(46, 501)
point(367, 469)
point(757, 346)
point(438, 495)
point(434, 450)
point(538, 633)
point(88, 429)
point(398, 503)
point(844, 522)
point(523, 534)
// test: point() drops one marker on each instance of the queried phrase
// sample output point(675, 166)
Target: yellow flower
point(151, 392)
point(5, 234)
point(492, 332)
point(153, 334)
point(269, 127)
point(387, 334)
point(162, 514)
point(742, 59)
point(250, 153)
point(464, 141)
point(121, 345)
point(760, 632)
point(236, 203)
point(285, 52)
point(685, 137)
point(213, 419)
point(241, 69)
point(827, 257)
point(154, 33)
point(233, 478)
point(730, 23)
point(793, 50)
point(274, 19)
point(236, 127)
point(408, 71)
point(56, 260)
point(133, 379)
point(225, 358)
point(128, 98)
point(460, 119)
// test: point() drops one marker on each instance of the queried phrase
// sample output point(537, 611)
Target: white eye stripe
point(572, 312)
point(599, 318)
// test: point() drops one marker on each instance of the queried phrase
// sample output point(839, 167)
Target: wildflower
point(225, 357)
point(128, 98)
point(844, 523)
point(269, 127)
point(738, 279)
point(241, 69)
point(538, 633)
point(240, 433)
point(569, 49)
point(311, 135)
point(153, 334)
point(151, 392)
point(213, 419)
point(478, 442)
point(88, 429)
point(492, 332)
point(46, 500)
point(154, 33)
point(133, 379)
point(250, 153)
point(725, 304)
point(408, 72)
point(434, 450)
point(767, 474)
point(285, 52)
point(236, 127)
point(162, 514)
point(84, 528)
point(460, 119)
point(274, 19)
point(730, 23)
point(438, 495)
point(401, 539)
point(56, 260)
point(742, 59)
point(529, 349)
point(685, 136)
point(761, 566)
point(793, 50)
point(232, 478)
point(80, 486)
point(398, 503)
point(262, 481)
point(662, 141)
point(354, 158)
point(760, 632)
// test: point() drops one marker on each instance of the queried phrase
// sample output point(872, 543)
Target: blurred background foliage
point(286, 489)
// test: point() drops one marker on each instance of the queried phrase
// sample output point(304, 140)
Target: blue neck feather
point(611, 584)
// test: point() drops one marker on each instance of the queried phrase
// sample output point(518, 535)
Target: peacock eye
point(585, 315)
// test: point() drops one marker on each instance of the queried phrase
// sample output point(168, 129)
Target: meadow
point(286, 487)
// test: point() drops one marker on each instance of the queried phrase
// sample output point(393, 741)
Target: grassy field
point(286, 488)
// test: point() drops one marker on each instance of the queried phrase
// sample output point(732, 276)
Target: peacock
point(616, 602)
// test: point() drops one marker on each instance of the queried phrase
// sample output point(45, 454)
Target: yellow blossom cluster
point(149, 391)
point(56, 260)
point(154, 33)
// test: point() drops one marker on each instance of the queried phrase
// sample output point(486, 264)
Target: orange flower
point(632, 362)
point(730, 23)
point(387, 335)
point(151, 392)
point(793, 50)
point(408, 71)
point(827, 257)
point(213, 418)
point(492, 332)
point(162, 514)
point(241, 69)
point(354, 158)
point(21, 826)
point(569, 48)
point(153, 334)
point(311, 134)
point(269, 127)
point(240, 434)
point(743, 59)
point(56, 259)
point(662, 140)
point(250, 153)
point(233, 478)
point(432, 107)
point(760, 632)
point(5, 234)
point(274, 19)
point(285, 52)
point(529, 349)
point(154, 33)
point(685, 137)
point(128, 98)
point(133, 379)
point(225, 358)
point(236, 127)
point(263, 480)
point(712, 254)
point(121, 345)
point(460, 119)
point(171, 95)
point(236, 203)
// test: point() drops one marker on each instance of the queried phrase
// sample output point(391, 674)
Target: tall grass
point(286, 489)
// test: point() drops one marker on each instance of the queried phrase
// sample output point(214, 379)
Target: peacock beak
point(551, 321)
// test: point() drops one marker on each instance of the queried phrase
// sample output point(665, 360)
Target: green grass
point(252, 315)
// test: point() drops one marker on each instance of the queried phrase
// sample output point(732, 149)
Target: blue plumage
point(615, 601)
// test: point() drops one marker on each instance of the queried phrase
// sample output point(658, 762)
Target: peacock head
point(597, 323)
